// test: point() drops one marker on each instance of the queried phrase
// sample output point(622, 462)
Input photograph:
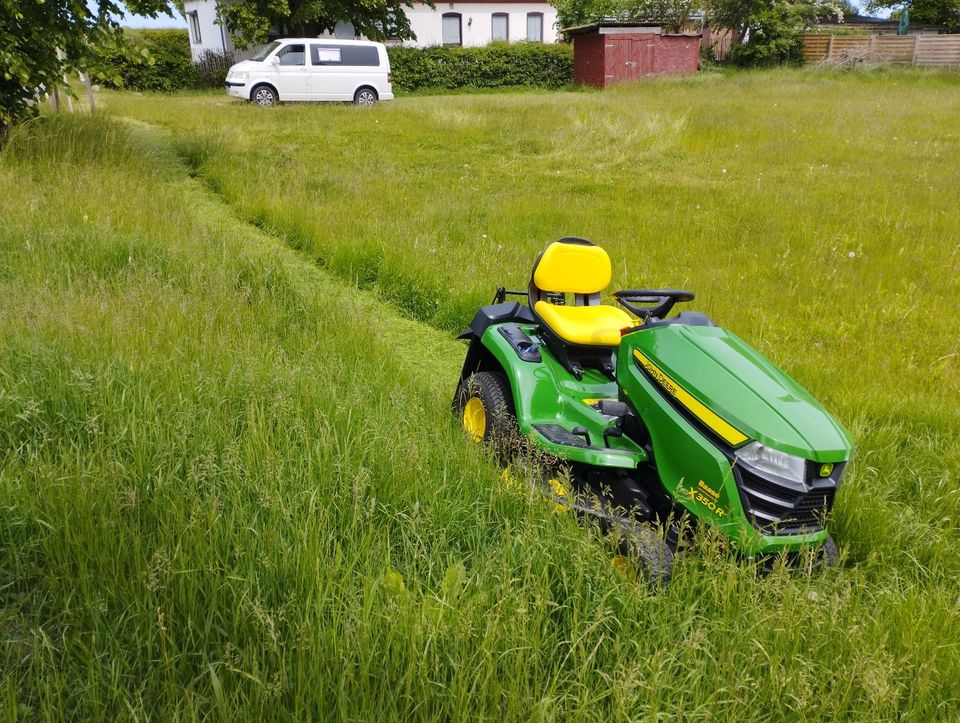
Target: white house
point(468, 24)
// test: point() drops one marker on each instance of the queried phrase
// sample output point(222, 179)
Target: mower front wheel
point(484, 404)
point(829, 553)
point(644, 543)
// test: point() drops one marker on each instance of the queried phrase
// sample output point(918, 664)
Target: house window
point(194, 28)
point(500, 27)
point(451, 29)
point(535, 27)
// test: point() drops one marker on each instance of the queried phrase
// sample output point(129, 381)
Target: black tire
point(264, 96)
point(365, 96)
point(645, 544)
point(484, 406)
point(829, 553)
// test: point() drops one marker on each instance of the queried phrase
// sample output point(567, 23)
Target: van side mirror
point(275, 60)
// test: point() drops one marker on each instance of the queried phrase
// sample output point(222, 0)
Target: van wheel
point(365, 96)
point(264, 95)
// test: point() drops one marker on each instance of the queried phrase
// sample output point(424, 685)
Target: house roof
point(874, 23)
point(612, 27)
point(623, 25)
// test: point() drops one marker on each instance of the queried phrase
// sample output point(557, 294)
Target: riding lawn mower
point(646, 420)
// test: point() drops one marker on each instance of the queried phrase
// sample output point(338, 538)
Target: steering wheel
point(655, 303)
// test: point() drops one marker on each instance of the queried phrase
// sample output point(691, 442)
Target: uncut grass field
point(230, 485)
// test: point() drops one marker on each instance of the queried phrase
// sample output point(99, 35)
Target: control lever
point(581, 432)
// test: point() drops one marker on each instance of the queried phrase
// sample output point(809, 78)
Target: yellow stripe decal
point(727, 432)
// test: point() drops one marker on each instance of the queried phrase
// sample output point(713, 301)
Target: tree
point(671, 14)
point(42, 40)
point(934, 12)
point(767, 32)
point(571, 13)
point(249, 21)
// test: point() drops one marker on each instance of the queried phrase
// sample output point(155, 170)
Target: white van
point(314, 69)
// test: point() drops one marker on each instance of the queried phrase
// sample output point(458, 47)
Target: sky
point(139, 21)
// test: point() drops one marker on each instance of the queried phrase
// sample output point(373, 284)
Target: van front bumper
point(236, 88)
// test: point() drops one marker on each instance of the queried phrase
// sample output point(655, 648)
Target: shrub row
point(492, 66)
point(156, 60)
point(160, 60)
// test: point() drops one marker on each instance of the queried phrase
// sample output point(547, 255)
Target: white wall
point(426, 22)
point(212, 36)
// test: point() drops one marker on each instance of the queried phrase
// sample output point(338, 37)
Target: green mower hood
point(737, 390)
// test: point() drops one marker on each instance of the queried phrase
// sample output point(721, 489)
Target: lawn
point(230, 484)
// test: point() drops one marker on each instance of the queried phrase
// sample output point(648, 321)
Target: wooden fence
point(927, 50)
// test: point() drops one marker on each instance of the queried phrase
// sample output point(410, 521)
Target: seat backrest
point(570, 265)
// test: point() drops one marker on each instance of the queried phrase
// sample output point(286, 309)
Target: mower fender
point(478, 356)
point(546, 395)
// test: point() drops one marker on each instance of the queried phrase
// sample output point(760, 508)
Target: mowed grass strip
point(231, 488)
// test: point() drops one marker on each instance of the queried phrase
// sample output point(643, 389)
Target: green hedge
point(155, 60)
point(160, 60)
point(492, 66)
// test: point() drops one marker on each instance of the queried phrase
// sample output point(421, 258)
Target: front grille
point(783, 507)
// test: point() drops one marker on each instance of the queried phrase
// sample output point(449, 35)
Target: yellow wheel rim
point(475, 419)
point(624, 568)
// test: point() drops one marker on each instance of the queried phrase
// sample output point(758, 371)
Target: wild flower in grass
point(264, 619)
point(128, 496)
point(159, 570)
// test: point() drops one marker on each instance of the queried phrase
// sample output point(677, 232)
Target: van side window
point(352, 55)
point(292, 55)
point(325, 55)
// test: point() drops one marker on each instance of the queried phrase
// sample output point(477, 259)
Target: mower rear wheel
point(485, 407)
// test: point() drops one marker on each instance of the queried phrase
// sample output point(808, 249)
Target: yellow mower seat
point(578, 267)
point(585, 325)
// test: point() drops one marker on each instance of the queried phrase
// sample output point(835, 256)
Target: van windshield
point(265, 51)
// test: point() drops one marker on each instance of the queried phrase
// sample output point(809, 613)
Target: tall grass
point(229, 482)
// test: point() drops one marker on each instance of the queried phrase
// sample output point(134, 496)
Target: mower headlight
point(777, 463)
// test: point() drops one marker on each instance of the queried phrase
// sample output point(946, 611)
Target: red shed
point(611, 52)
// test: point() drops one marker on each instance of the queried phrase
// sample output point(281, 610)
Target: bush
point(146, 60)
point(492, 66)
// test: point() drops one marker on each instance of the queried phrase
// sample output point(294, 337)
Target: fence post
point(53, 97)
point(830, 48)
point(871, 49)
point(89, 86)
point(916, 44)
